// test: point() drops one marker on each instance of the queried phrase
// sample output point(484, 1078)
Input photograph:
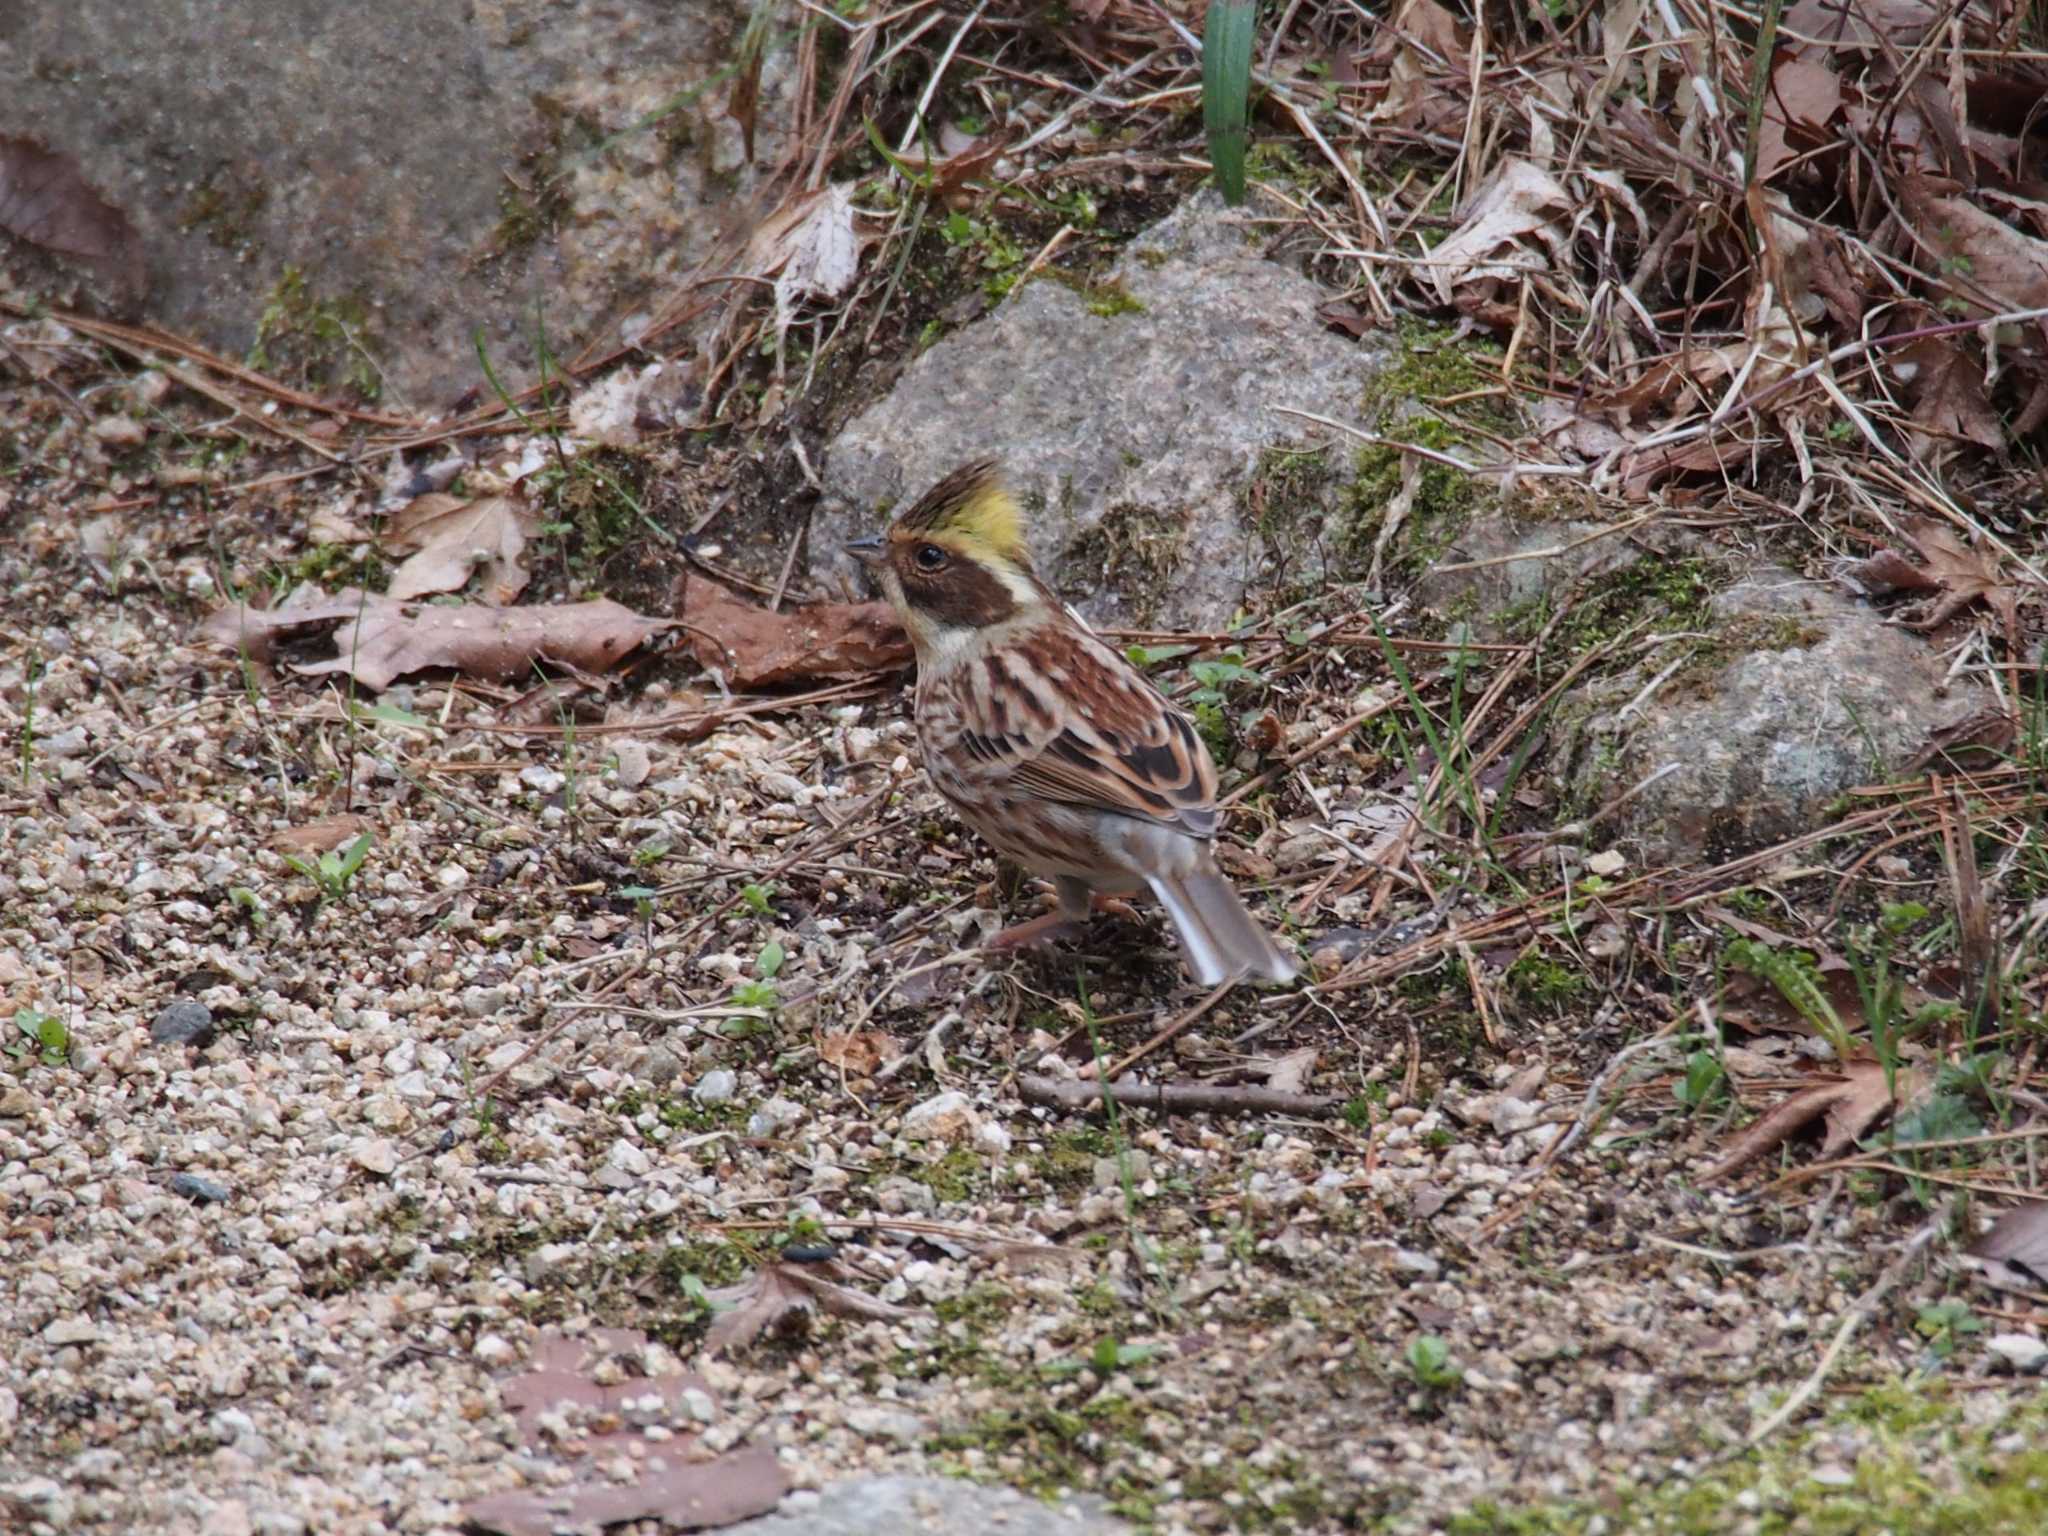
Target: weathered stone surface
point(426, 168)
point(1131, 434)
point(872, 1505)
point(1501, 564)
point(1802, 693)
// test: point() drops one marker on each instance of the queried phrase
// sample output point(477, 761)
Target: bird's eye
point(929, 557)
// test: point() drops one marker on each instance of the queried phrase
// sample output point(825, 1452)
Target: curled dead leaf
point(321, 836)
point(753, 648)
point(380, 640)
point(858, 1051)
point(447, 538)
point(46, 201)
point(594, 1434)
point(1846, 1103)
point(778, 1292)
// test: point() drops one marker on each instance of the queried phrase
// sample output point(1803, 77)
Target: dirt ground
point(610, 1013)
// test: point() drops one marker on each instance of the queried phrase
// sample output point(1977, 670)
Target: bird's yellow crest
point(975, 506)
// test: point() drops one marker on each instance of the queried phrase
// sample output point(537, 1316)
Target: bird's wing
point(1056, 713)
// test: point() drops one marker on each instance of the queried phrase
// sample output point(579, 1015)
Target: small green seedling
point(1705, 1081)
point(761, 992)
point(1944, 1324)
point(1428, 1359)
point(248, 904)
point(333, 872)
point(758, 899)
point(42, 1035)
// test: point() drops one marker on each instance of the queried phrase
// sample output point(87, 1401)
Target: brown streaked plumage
point(1046, 741)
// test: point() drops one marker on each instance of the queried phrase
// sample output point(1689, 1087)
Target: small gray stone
point(716, 1087)
point(874, 1504)
point(71, 1330)
point(183, 1022)
point(198, 1189)
point(774, 1116)
point(946, 1117)
point(2024, 1352)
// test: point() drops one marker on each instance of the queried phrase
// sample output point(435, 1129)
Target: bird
point(1048, 742)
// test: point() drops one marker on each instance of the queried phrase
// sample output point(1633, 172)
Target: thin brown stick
point(1175, 1098)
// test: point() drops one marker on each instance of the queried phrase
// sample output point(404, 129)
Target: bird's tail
point(1221, 938)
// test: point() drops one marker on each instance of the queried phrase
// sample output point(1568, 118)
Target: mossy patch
point(319, 340)
point(1133, 550)
point(227, 208)
point(1904, 1459)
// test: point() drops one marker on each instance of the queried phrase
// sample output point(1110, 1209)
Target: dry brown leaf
point(753, 648)
point(380, 640)
point(858, 1051)
point(1847, 1103)
point(448, 537)
point(1414, 49)
point(1971, 744)
point(2013, 1255)
point(571, 1420)
point(778, 1292)
point(1290, 1073)
point(1949, 399)
point(1890, 571)
point(1964, 573)
point(321, 836)
point(1521, 198)
point(809, 246)
point(2009, 268)
point(1802, 102)
point(45, 200)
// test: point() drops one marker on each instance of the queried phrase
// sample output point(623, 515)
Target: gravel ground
point(311, 1177)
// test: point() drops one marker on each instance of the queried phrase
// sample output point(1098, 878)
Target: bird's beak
point(868, 551)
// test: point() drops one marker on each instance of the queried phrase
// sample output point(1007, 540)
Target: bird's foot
point(1052, 926)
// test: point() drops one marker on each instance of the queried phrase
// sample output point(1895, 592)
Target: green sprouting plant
point(761, 991)
point(643, 898)
point(1215, 679)
point(248, 904)
point(41, 1035)
point(1944, 1324)
point(33, 676)
point(1705, 1081)
point(1226, 90)
point(1429, 1362)
point(758, 899)
point(1105, 1359)
point(1792, 973)
point(333, 871)
point(650, 853)
point(1870, 962)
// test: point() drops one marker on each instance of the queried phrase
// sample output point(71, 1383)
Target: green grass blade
point(1227, 89)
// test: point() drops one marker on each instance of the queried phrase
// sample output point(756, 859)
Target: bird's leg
point(1064, 921)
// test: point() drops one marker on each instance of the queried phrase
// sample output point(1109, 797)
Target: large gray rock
point(423, 166)
point(914, 1506)
point(1800, 693)
point(1132, 420)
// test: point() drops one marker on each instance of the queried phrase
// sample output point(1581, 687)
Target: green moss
point(1110, 299)
point(1068, 1161)
point(332, 565)
point(1047, 1447)
point(227, 208)
point(1538, 982)
point(315, 339)
point(957, 1176)
point(1915, 1465)
point(594, 502)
